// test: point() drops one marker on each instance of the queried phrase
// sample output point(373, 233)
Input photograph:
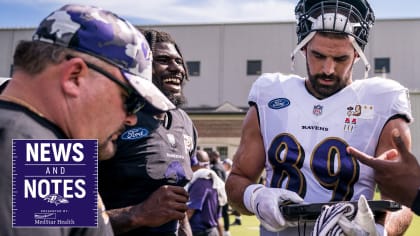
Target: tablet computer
point(311, 211)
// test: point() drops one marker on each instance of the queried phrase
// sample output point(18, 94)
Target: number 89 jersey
point(305, 138)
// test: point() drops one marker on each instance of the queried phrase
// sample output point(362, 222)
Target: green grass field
point(250, 226)
point(414, 229)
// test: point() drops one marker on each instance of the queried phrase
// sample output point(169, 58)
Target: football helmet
point(353, 17)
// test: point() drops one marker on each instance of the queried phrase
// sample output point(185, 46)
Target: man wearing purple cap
point(84, 75)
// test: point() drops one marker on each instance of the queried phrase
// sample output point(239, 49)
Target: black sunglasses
point(134, 102)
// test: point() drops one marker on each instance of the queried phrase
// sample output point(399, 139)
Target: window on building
point(193, 68)
point(382, 65)
point(208, 149)
point(253, 67)
point(223, 151)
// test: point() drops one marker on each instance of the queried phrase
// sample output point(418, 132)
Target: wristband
point(249, 196)
point(415, 207)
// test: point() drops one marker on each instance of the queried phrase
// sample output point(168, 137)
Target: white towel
point(218, 183)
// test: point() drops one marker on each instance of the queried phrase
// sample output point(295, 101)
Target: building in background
point(225, 59)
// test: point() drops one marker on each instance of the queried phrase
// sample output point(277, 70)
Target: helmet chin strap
point(300, 46)
point(361, 55)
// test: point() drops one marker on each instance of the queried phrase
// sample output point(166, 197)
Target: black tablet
point(311, 211)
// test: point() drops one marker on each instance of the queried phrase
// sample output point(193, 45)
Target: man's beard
point(326, 91)
point(177, 99)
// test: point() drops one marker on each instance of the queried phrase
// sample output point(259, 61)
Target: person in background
point(297, 129)
point(227, 166)
point(238, 218)
point(143, 185)
point(217, 166)
point(64, 86)
point(207, 195)
point(397, 172)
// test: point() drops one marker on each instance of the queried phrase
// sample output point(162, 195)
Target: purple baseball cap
point(103, 34)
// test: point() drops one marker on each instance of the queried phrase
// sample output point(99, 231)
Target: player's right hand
point(167, 203)
point(264, 202)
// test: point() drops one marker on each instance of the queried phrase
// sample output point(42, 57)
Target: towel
point(218, 183)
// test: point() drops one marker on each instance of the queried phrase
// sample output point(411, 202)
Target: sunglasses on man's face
point(133, 102)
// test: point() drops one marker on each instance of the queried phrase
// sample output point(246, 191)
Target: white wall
point(415, 126)
point(223, 50)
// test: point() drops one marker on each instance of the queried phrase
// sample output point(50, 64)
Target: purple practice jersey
point(148, 156)
point(204, 200)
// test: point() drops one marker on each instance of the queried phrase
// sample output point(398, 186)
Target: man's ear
point(74, 72)
point(304, 50)
point(356, 57)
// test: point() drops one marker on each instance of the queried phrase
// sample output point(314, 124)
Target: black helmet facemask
point(352, 17)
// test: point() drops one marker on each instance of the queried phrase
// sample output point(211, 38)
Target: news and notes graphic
point(55, 183)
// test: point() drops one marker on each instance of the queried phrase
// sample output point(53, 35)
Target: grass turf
point(250, 226)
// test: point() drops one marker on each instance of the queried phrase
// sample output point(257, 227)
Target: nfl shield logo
point(171, 139)
point(317, 110)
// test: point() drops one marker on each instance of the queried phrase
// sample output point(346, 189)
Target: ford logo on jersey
point(279, 103)
point(134, 134)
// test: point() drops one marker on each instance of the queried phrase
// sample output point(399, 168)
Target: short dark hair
point(34, 56)
point(214, 156)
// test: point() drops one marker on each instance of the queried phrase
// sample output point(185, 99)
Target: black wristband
point(416, 204)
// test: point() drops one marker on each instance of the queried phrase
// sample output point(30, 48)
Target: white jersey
point(305, 138)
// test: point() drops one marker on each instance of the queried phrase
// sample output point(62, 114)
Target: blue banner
point(55, 183)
